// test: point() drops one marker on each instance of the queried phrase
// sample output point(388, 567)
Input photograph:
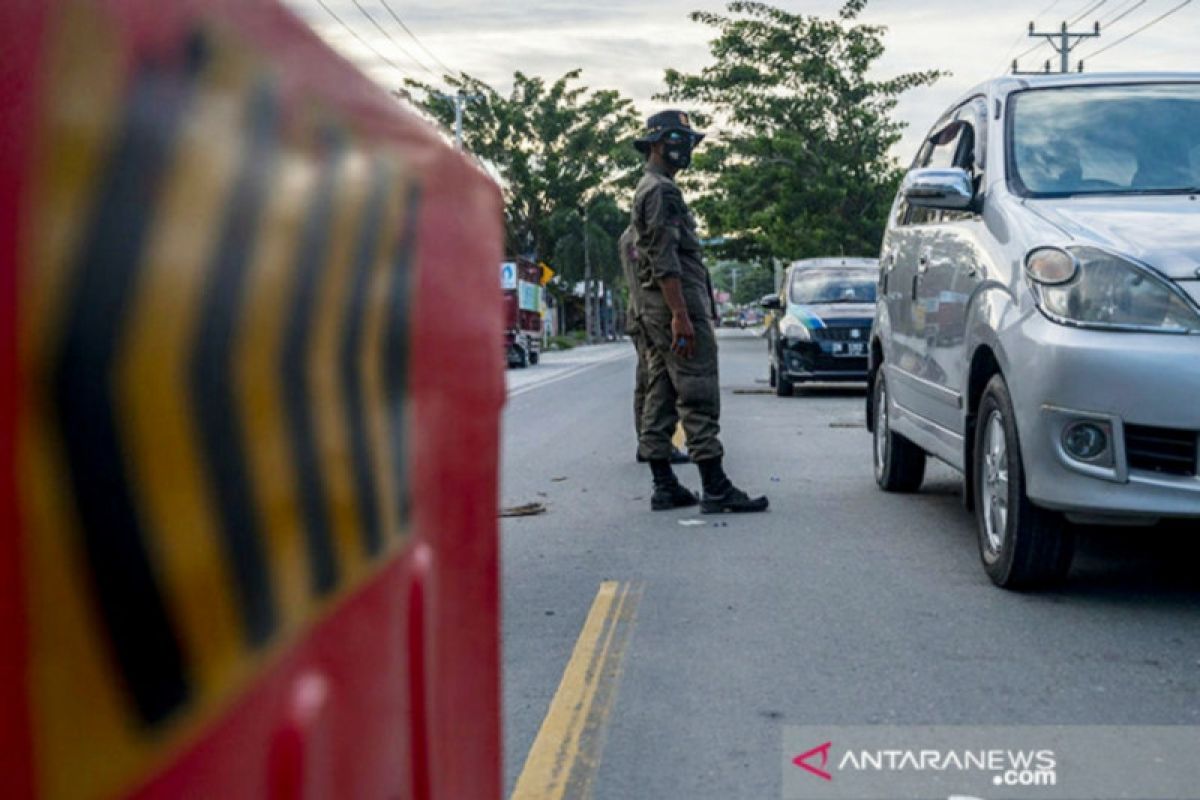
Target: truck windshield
point(818, 286)
point(1135, 139)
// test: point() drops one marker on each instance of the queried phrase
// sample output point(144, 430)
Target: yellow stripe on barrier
point(155, 398)
point(257, 357)
point(83, 74)
point(324, 363)
point(373, 358)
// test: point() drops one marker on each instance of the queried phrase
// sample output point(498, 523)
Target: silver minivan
point(1038, 322)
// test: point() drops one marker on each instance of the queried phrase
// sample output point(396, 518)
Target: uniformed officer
point(677, 316)
point(627, 250)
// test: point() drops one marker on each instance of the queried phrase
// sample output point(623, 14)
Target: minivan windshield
point(819, 286)
point(1132, 139)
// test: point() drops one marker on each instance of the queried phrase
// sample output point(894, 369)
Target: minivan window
point(818, 286)
point(1133, 139)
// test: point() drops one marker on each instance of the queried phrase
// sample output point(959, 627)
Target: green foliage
point(799, 166)
point(754, 279)
point(555, 147)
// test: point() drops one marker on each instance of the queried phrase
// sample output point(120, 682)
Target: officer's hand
point(683, 336)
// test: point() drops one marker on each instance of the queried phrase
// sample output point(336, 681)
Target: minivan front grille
point(1166, 450)
point(845, 334)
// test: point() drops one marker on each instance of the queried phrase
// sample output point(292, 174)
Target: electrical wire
point(1133, 33)
point(1126, 13)
point(416, 39)
point(1087, 11)
point(1116, 10)
point(363, 41)
point(391, 39)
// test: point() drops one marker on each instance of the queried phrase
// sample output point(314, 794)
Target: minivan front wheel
point(1022, 546)
point(899, 464)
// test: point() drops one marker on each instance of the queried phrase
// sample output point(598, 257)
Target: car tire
point(772, 376)
point(899, 464)
point(1022, 546)
point(783, 387)
point(533, 357)
point(522, 358)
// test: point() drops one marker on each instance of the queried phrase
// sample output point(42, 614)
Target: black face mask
point(678, 149)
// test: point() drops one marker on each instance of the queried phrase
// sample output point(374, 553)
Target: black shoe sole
point(673, 504)
point(719, 508)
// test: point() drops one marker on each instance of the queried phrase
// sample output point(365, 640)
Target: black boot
point(720, 495)
point(668, 492)
point(677, 456)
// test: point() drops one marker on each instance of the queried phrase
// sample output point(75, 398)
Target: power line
point(1118, 11)
point(1131, 34)
point(1087, 11)
point(364, 42)
point(384, 31)
point(1126, 12)
point(414, 37)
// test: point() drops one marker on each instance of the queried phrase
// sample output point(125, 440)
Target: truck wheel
point(899, 464)
point(522, 358)
point(1022, 546)
point(534, 356)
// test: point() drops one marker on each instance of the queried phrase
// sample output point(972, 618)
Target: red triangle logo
point(801, 761)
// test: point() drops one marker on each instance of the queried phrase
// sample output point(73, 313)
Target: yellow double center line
point(566, 753)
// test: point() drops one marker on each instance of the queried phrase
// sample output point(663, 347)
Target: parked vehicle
point(1039, 312)
point(520, 281)
point(822, 322)
point(732, 319)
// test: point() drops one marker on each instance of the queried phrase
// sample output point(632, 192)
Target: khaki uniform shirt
point(627, 247)
point(667, 244)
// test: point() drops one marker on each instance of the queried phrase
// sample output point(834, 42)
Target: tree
point(556, 147)
point(754, 279)
point(800, 166)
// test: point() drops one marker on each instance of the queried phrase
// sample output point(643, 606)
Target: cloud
point(627, 44)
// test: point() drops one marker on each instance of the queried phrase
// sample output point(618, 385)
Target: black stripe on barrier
point(131, 604)
point(396, 351)
point(313, 254)
point(365, 255)
point(213, 384)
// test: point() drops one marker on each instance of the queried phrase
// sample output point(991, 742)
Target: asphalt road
point(842, 605)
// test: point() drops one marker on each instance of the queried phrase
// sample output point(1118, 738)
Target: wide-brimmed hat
point(663, 123)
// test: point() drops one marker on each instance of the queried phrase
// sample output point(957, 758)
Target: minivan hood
point(1162, 231)
point(821, 313)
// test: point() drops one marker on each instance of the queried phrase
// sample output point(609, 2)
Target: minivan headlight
point(794, 329)
point(1107, 291)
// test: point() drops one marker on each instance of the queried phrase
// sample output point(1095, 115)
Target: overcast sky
point(626, 44)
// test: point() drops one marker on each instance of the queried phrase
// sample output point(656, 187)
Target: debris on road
point(559, 479)
point(527, 510)
point(692, 523)
point(847, 423)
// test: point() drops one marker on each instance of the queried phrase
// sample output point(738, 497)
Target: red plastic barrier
point(249, 428)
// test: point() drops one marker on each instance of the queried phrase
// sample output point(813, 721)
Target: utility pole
point(460, 101)
point(734, 272)
point(1063, 41)
point(588, 311)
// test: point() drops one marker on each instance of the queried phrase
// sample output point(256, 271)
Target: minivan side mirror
point(947, 189)
point(771, 302)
